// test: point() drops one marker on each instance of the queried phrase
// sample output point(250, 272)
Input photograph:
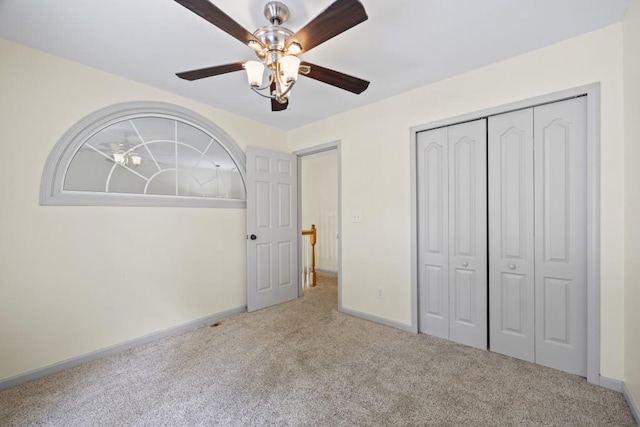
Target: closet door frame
point(592, 92)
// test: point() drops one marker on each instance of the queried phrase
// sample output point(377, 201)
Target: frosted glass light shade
point(118, 157)
point(294, 49)
point(136, 159)
point(254, 72)
point(289, 66)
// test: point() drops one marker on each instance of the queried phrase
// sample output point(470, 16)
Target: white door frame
point(329, 146)
point(592, 92)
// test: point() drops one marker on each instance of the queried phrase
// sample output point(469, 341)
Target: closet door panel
point(511, 237)
point(468, 233)
point(561, 230)
point(433, 225)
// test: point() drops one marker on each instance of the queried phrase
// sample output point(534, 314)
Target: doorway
point(319, 205)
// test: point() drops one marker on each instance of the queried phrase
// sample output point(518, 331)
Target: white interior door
point(561, 235)
point(433, 234)
point(272, 231)
point(468, 233)
point(511, 241)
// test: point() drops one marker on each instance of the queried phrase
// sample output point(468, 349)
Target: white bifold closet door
point(452, 233)
point(560, 136)
point(511, 237)
point(538, 229)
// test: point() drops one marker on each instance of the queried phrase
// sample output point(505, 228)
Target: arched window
point(145, 154)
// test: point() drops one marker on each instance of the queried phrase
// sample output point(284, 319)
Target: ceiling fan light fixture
point(289, 66)
point(255, 70)
point(294, 48)
point(128, 158)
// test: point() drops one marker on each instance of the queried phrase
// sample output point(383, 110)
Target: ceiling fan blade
point(217, 17)
point(275, 105)
point(337, 18)
point(210, 71)
point(335, 78)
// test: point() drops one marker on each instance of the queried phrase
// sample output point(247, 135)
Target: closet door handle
point(512, 266)
point(465, 264)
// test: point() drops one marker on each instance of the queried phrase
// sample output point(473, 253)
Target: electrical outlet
point(379, 293)
point(356, 216)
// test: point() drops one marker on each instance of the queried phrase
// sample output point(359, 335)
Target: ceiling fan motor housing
point(273, 36)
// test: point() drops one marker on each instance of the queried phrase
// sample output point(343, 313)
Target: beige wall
point(319, 180)
point(78, 279)
point(632, 198)
point(376, 252)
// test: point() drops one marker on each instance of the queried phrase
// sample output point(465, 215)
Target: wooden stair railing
point(312, 239)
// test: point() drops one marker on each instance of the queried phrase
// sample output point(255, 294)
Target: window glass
point(145, 154)
point(154, 155)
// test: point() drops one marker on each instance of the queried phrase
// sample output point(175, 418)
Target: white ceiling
point(404, 45)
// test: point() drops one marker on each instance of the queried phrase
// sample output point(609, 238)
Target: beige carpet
point(303, 363)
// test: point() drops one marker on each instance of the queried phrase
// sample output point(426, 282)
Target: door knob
point(253, 237)
point(465, 264)
point(512, 266)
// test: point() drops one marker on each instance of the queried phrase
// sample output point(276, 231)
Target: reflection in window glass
point(154, 156)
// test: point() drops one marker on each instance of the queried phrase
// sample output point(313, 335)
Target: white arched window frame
point(52, 191)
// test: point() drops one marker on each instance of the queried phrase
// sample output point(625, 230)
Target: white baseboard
point(621, 387)
point(376, 319)
point(632, 404)
point(610, 383)
point(98, 354)
point(322, 270)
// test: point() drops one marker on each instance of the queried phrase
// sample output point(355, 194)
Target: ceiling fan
point(278, 48)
